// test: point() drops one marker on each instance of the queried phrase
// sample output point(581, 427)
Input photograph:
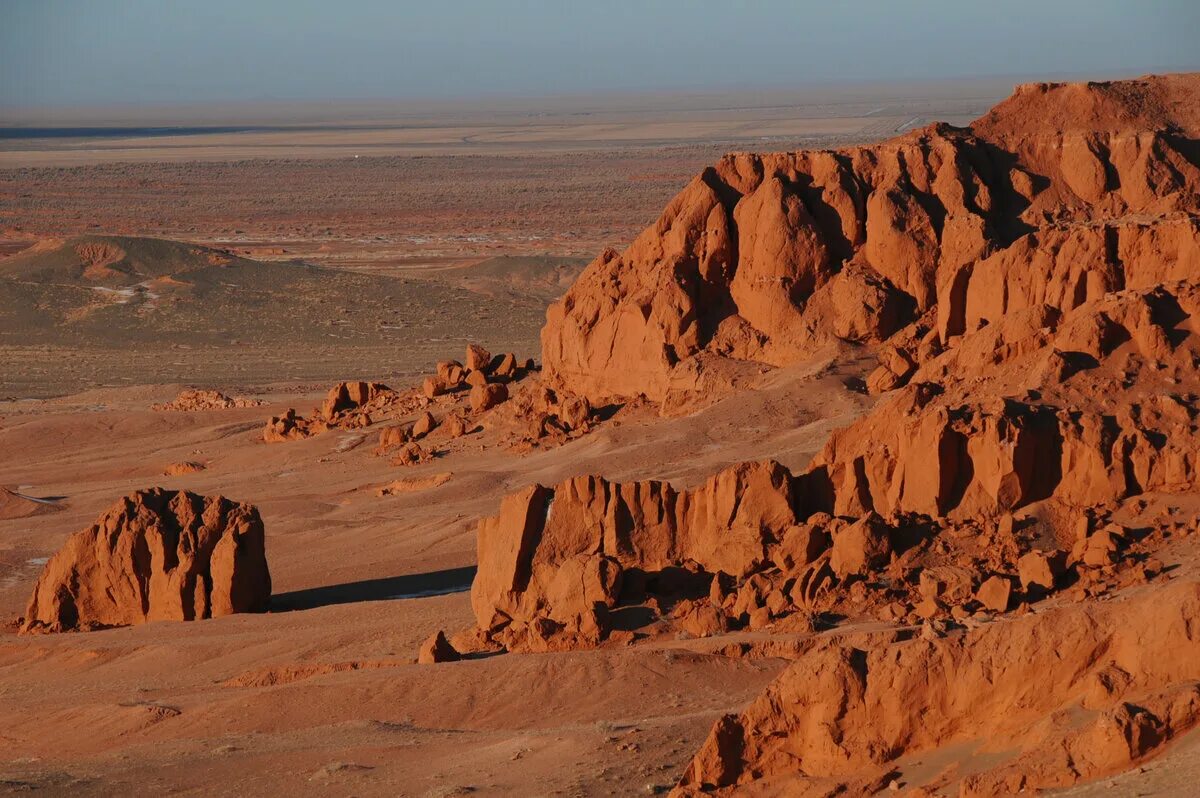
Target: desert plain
point(868, 466)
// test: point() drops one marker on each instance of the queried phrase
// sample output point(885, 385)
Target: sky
point(97, 52)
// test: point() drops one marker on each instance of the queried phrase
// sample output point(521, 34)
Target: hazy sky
point(55, 52)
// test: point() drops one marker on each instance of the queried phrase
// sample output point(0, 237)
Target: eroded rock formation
point(155, 555)
point(764, 257)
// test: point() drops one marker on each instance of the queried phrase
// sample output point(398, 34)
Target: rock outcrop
point(183, 467)
point(1048, 413)
point(155, 555)
point(541, 572)
point(764, 257)
point(194, 400)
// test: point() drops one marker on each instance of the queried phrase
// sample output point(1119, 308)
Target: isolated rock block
point(155, 555)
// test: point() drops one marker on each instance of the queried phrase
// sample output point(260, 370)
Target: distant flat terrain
point(765, 119)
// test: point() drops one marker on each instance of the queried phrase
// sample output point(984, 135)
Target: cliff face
point(762, 258)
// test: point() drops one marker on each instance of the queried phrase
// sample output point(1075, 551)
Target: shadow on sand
point(434, 583)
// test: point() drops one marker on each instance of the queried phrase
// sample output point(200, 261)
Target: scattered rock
point(411, 454)
point(193, 400)
point(186, 467)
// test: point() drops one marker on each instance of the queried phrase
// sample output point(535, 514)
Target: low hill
point(117, 290)
point(74, 312)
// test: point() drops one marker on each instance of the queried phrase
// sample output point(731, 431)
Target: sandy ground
point(322, 695)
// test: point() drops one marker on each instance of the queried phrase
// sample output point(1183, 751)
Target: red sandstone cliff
point(763, 257)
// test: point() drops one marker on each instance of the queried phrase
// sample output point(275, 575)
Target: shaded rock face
point(155, 555)
point(982, 459)
point(765, 257)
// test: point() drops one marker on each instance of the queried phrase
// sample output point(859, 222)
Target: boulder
point(450, 372)
point(424, 425)
point(433, 387)
point(478, 358)
point(155, 555)
point(391, 437)
point(506, 367)
point(994, 593)
point(860, 547)
point(437, 649)
point(455, 426)
point(701, 618)
point(574, 412)
point(1039, 570)
point(485, 397)
point(802, 544)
